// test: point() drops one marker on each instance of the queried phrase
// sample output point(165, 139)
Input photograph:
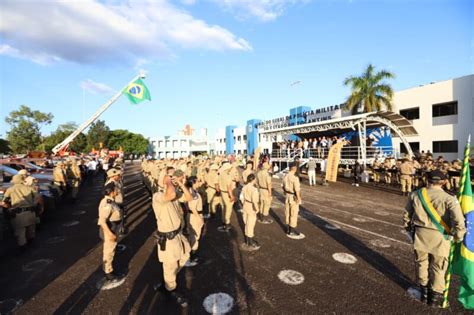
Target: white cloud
point(96, 87)
point(90, 31)
point(264, 10)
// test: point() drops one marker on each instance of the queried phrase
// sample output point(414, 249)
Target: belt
point(169, 235)
point(20, 210)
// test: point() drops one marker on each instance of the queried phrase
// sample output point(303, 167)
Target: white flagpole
point(97, 114)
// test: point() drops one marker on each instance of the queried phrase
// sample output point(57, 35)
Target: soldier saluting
point(173, 246)
point(434, 218)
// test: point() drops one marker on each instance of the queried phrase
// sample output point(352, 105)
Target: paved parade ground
point(355, 259)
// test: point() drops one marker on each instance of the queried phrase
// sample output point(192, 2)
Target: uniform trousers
point(431, 270)
point(228, 206)
point(108, 255)
point(291, 211)
point(24, 226)
point(312, 177)
point(406, 182)
point(250, 218)
point(265, 201)
point(195, 227)
point(213, 200)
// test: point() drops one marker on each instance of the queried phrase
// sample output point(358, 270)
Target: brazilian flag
point(463, 264)
point(137, 92)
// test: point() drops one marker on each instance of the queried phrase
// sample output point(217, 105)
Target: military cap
point(178, 173)
point(23, 173)
point(226, 167)
point(436, 175)
point(110, 187)
point(113, 172)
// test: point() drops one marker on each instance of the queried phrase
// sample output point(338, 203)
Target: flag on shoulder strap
point(463, 264)
point(137, 92)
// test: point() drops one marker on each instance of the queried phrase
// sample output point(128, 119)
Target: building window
point(415, 147)
point(245, 137)
point(445, 146)
point(411, 113)
point(445, 109)
point(239, 138)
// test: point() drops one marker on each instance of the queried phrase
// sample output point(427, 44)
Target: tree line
point(25, 135)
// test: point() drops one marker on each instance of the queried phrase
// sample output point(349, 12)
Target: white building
point(442, 113)
point(179, 146)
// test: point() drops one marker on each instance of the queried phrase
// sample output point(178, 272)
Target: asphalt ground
point(61, 272)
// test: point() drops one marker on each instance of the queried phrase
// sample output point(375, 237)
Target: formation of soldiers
point(411, 174)
point(188, 191)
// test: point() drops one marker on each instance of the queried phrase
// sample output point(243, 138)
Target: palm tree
point(369, 93)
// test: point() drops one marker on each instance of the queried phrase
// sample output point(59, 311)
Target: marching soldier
point(406, 174)
point(433, 218)
point(213, 194)
point(173, 246)
point(250, 196)
point(455, 169)
point(291, 187)
point(109, 223)
point(226, 188)
point(264, 183)
point(19, 202)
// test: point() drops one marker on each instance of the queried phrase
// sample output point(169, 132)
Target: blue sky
point(213, 63)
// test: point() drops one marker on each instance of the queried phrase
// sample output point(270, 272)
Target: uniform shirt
point(225, 180)
point(291, 184)
point(427, 236)
point(108, 211)
point(118, 187)
point(407, 169)
point(168, 214)
point(21, 196)
point(312, 166)
point(245, 174)
point(58, 175)
point(212, 179)
point(264, 181)
point(196, 202)
point(251, 198)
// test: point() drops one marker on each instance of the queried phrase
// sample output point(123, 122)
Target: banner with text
point(333, 161)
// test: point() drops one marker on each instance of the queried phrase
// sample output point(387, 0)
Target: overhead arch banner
point(332, 165)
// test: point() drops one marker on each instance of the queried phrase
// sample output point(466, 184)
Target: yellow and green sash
point(442, 227)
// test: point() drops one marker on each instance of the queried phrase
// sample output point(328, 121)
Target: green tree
point(98, 133)
point(130, 142)
point(369, 92)
point(26, 123)
point(62, 132)
point(4, 146)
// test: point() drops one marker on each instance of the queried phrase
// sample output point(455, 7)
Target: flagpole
point(99, 112)
point(453, 245)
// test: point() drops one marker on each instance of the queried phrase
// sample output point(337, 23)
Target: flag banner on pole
point(137, 92)
point(463, 264)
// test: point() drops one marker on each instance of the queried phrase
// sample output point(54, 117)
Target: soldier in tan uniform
point(226, 188)
point(406, 175)
point(264, 184)
point(59, 178)
point(213, 194)
point(292, 189)
point(248, 170)
point(19, 202)
point(73, 174)
point(109, 222)
point(251, 204)
point(431, 246)
point(173, 246)
point(456, 168)
point(115, 176)
point(194, 217)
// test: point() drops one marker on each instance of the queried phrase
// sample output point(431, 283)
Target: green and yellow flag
point(137, 92)
point(463, 264)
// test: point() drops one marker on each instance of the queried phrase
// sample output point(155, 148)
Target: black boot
point(194, 257)
point(435, 299)
point(424, 293)
point(254, 245)
point(260, 217)
point(288, 230)
point(178, 298)
point(247, 241)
